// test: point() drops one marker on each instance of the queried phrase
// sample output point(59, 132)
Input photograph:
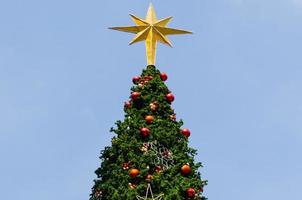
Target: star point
point(149, 191)
point(151, 30)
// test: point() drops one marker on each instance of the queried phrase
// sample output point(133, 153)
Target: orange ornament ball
point(133, 173)
point(149, 119)
point(186, 169)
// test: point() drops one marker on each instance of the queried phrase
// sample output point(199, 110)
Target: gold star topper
point(151, 30)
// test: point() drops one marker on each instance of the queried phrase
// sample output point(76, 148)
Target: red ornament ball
point(191, 192)
point(136, 79)
point(186, 169)
point(149, 178)
point(158, 169)
point(145, 132)
point(126, 165)
point(149, 119)
point(148, 78)
point(135, 95)
point(170, 97)
point(133, 173)
point(186, 132)
point(163, 76)
point(127, 104)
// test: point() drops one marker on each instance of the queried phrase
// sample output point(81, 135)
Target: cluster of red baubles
point(133, 173)
point(138, 80)
point(185, 170)
point(135, 96)
point(145, 132)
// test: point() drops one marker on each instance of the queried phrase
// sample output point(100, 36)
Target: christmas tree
point(149, 157)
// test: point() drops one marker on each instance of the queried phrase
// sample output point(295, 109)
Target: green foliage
point(114, 181)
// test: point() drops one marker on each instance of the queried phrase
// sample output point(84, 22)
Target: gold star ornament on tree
point(152, 31)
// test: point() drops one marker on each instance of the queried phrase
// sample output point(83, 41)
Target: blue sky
point(64, 77)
